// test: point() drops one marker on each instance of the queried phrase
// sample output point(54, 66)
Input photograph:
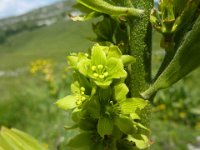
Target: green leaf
point(107, 8)
point(67, 102)
point(132, 104)
point(124, 124)
point(120, 91)
point(82, 140)
point(13, 139)
point(142, 143)
point(115, 69)
point(98, 56)
point(93, 107)
point(141, 126)
point(71, 127)
point(85, 17)
point(105, 29)
point(5, 144)
point(105, 126)
point(185, 61)
point(76, 115)
point(127, 59)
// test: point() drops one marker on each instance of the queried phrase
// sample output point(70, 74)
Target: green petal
point(67, 102)
point(105, 126)
point(120, 91)
point(125, 124)
point(131, 104)
point(84, 67)
point(72, 60)
point(75, 87)
point(142, 143)
point(127, 59)
point(98, 56)
point(116, 69)
point(103, 84)
point(114, 51)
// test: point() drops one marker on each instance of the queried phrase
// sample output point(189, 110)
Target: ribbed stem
point(140, 48)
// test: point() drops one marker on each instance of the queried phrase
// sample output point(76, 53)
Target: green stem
point(140, 48)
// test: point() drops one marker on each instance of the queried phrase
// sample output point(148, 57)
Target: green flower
point(104, 66)
point(77, 99)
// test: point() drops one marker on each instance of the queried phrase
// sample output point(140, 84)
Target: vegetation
point(30, 94)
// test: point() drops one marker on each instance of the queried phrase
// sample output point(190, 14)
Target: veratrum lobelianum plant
point(112, 85)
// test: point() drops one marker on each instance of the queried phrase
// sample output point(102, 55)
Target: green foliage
point(99, 100)
point(184, 61)
point(15, 139)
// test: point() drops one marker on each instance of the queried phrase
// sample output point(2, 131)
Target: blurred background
point(35, 38)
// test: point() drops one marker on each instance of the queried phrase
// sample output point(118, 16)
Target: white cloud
point(17, 7)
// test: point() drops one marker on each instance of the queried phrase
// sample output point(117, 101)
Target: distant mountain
point(42, 16)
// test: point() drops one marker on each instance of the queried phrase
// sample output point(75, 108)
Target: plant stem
point(140, 48)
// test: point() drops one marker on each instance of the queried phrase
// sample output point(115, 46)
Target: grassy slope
point(54, 41)
point(27, 95)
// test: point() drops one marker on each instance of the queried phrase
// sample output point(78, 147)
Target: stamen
point(100, 66)
point(94, 68)
point(95, 75)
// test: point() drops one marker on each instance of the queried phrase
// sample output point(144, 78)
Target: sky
point(17, 7)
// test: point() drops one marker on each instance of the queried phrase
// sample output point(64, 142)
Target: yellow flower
point(182, 115)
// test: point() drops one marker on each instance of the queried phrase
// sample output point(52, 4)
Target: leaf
point(120, 91)
point(71, 127)
point(15, 139)
point(86, 17)
point(140, 143)
point(76, 115)
point(98, 56)
point(124, 124)
point(105, 126)
point(115, 69)
point(141, 126)
point(93, 107)
point(127, 59)
point(132, 104)
point(82, 140)
point(185, 61)
point(107, 8)
point(67, 102)
point(105, 29)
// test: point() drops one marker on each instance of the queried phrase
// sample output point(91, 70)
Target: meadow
point(26, 104)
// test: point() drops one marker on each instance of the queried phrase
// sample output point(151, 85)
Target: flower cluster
point(44, 66)
point(101, 108)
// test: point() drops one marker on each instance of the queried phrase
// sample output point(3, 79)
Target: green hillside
point(53, 41)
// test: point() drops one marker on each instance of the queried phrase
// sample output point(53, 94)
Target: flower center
point(99, 71)
point(80, 97)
